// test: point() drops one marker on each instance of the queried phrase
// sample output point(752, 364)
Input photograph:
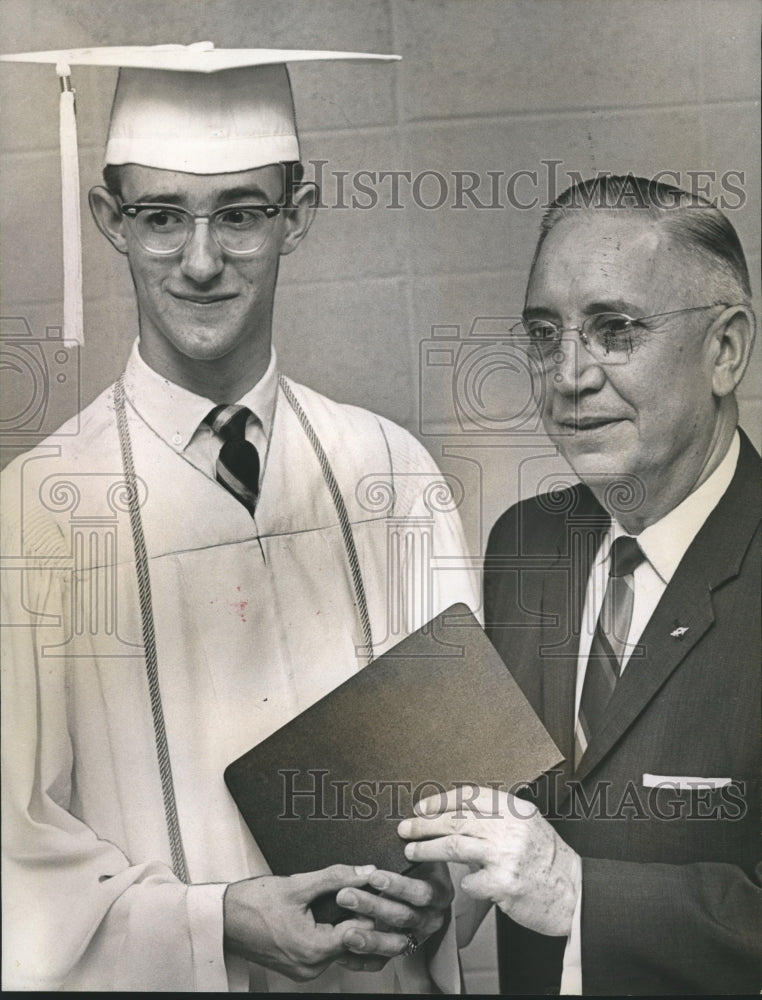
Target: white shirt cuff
point(205, 920)
point(571, 977)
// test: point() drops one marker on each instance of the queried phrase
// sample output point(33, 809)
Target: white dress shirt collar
point(175, 413)
point(665, 542)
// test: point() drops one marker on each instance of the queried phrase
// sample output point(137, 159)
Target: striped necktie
point(238, 461)
point(609, 642)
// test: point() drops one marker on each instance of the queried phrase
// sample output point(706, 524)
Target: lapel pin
point(679, 632)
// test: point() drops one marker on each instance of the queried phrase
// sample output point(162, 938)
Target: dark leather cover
point(438, 709)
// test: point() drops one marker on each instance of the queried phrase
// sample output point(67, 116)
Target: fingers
point(389, 912)
point(451, 801)
point(477, 818)
point(427, 886)
point(309, 885)
point(328, 939)
point(415, 891)
point(421, 827)
point(437, 874)
point(376, 943)
point(485, 803)
point(468, 850)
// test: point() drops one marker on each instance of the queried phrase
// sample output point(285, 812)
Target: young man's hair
point(694, 224)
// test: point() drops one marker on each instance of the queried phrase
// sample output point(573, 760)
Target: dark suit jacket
point(670, 900)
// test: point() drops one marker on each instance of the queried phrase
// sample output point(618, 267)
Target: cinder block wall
point(378, 306)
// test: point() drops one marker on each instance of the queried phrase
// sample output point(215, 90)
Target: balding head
point(694, 226)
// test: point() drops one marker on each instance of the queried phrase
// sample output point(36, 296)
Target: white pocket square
point(683, 783)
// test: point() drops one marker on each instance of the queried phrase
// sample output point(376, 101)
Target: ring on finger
point(412, 945)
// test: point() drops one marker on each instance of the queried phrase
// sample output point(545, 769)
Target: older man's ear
point(732, 339)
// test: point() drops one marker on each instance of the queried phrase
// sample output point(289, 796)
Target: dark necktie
point(609, 641)
point(238, 461)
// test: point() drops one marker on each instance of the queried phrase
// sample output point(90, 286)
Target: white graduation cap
point(191, 108)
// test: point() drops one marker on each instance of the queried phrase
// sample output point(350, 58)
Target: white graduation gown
point(255, 620)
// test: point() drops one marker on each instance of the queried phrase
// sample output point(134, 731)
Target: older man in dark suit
point(627, 607)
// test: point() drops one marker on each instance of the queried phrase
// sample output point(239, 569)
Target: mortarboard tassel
point(73, 326)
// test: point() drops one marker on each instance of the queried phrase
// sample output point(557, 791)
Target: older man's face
point(654, 417)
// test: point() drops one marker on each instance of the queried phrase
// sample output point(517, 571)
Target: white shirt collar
point(665, 542)
point(175, 413)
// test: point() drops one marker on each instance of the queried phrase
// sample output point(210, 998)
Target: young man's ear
point(299, 215)
point(107, 212)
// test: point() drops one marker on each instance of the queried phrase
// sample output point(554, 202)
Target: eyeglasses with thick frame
point(607, 336)
point(239, 229)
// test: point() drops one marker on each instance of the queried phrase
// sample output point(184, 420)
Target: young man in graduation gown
point(627, 607)
point(203, 553)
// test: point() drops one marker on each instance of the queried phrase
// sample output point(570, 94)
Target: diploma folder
point(439, 709)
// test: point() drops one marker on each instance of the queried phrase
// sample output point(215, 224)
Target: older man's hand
point(518, 860)
point(409, 911)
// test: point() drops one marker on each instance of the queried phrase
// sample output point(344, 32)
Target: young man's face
point(203, 304)
point(650, 421)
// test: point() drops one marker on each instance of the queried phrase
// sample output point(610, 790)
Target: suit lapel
point(714, 557)
point(687, 604)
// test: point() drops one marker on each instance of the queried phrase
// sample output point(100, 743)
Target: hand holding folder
point(438, 710)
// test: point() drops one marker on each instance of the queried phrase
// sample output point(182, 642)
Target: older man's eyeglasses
point(609, 337)
point(168, 229)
